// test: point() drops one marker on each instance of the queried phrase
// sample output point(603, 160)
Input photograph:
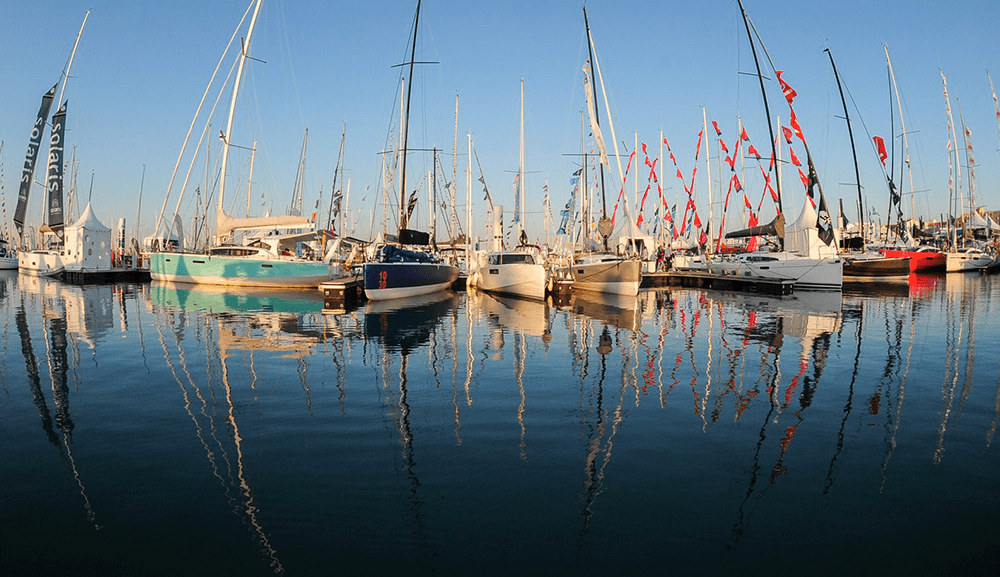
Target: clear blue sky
point(142, 67)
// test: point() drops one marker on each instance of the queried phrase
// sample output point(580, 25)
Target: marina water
point(157, 429)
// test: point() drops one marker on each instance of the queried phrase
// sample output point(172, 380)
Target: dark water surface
point(156, 429)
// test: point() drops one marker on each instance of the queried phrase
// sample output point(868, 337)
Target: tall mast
point(468, 199)
point(767, 110)
point(635, 181)
point(952, 154)
point(454, 174)
point(662, 203)
point(593, 87)
point(138, 209)
point(300, 178)
point(432, 213)
point(253, 158)
point(227, 135)
point(333, 191)
point(520, 170)
point(584, 185)
point(406, 122)
point(906, 143)
point(708, 171)
point(970, 161)
point(72, 55)
point(850, 133)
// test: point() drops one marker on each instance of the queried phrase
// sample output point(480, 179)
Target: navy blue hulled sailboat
point(396, 272)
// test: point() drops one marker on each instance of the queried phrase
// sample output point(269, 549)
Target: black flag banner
point(823, 220)
point(54, 179)
point(34, 143)
point(411, 203)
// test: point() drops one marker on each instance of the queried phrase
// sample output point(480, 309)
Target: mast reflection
point(230, 327)
point(55, 328)
point(809, 318)
point(402, 327)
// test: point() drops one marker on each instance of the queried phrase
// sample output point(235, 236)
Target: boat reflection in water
point(65, 313)
point(437, 435)
point(240, 337)
point(407, 323)
point(218, 299)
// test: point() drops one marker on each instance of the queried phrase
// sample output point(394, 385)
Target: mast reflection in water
point(179, 430)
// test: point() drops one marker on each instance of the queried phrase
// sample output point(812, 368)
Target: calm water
point(150, 429)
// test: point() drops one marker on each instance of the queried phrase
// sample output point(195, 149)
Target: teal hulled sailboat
point(276, 251)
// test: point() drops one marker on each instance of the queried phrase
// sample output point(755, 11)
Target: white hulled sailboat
point(601, 271)
point(518, 271)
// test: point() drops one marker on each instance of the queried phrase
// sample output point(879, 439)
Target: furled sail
point(28, 173)
point(595, 128)
point(54, 178)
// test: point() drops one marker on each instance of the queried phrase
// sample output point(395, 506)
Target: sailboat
point(84, 247)
point(518, 271)
point(397, 272)
point(865, 265)
point(601, 271)
point(8, 256)
point(961, 256)
point(276, 251)
point(809, 256)
point(44, 260)
point(922, 258)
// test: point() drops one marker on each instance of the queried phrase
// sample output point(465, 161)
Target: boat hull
point(40, 263)
point(608, 275)
point(393, 280)
point(194, 268)
point(8, 257)
point(968, 261)
point(518, 279)
point(920, 261)
point(806, 273)
point(689, 262)
point(877, 268)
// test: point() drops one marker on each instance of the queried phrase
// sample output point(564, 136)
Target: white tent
point(88, 244)
point(983, 222)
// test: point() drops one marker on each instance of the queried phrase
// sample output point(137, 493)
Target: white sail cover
point(802, 236)
point(226, 224)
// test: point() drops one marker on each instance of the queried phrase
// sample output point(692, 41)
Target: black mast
point(604, 226)
point(767, 110)
point(850, 133)
point(406, 122)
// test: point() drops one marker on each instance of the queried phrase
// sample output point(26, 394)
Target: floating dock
point(92, 276)
point(717, 282)
point(347, 292)
point(341, 293)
